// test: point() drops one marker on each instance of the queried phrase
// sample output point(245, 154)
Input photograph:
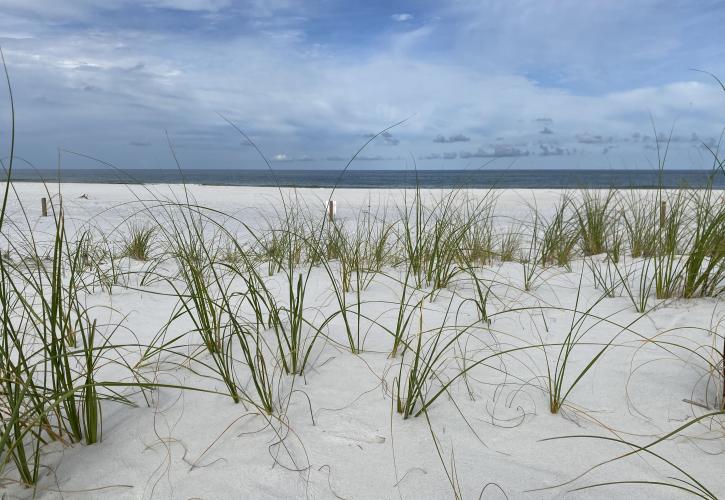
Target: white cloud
point(401, 17)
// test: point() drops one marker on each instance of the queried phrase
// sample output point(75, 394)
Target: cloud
point(284, 157)
point(678, 138)
point(552, 150)
point(587, 138)
point(139, 144)
point(294, 87)
point(496, 151)
point(637, 137)
point(546, 131)
point(401, 17)
point(430, 156)
point(440, 156)
point(386, 137)
point(451, 138)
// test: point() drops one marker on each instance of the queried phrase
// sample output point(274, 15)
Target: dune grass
point(138, 243)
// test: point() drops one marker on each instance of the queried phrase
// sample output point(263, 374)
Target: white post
point(331, 209)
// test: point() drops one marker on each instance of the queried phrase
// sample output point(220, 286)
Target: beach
point(412, 372)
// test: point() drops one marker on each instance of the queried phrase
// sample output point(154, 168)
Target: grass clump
point(594, 218)
point(509, 245)
point(138, 244)
point(560, 236)
point(640, 222)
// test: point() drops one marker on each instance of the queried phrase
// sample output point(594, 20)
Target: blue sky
point(534, 84)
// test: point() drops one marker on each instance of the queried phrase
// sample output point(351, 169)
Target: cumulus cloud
point(451, 138)
point(546, 131)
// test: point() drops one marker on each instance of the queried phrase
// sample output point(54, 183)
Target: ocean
point(446, 179)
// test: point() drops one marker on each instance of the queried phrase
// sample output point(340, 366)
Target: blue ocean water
point(388, 178)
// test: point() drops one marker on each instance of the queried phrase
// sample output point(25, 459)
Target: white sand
point(194, 445)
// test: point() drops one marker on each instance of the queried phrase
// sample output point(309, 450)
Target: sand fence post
point(44, 207)
point(331, 210)
point(663, 213)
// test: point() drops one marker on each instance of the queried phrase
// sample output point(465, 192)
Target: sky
point(477, 84)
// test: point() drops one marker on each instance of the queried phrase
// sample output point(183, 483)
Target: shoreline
point(387, 179)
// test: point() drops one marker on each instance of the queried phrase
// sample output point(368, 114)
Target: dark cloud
point(544, 120)
point(496, 151)
point(387, 138)
point(552, 150)
point(139, 144)
point(709, 143)
point(451, 138)
point(588, 138)
point(662, 137)
point(439, 156)
point(546, 131)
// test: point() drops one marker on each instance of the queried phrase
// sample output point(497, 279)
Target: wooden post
point(44, 207)
point(331, 206)
point(663, 213)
